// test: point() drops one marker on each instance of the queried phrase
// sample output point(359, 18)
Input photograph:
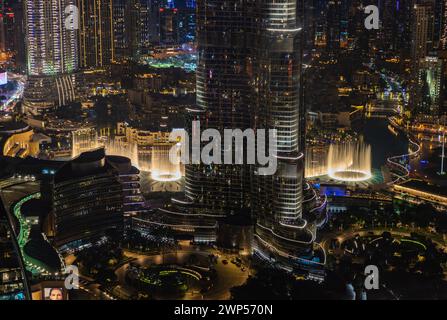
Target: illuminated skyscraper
point(423, 30)
point(336, 12)
point(249, 76)
point(52, 54)
point(134, 27)
point(141, 16)
point(443, 31)
point(224, 71)
point(279, 201)
point(429, 86)
point(95, 33)
point(169, 26)
point(121, 29)
point(394, 35)
point(187, 21)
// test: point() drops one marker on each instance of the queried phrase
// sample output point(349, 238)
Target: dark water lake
point(384, 143)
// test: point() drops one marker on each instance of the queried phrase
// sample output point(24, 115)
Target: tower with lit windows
point(249, 77)
point(422, 30)
point(287, 210)
point(96, 48)
point(443, 27)
point(52, 54)
point(429, 85)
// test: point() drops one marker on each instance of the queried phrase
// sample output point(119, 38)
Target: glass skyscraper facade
point(249, 77)
point(96, 48)
point(52, 53)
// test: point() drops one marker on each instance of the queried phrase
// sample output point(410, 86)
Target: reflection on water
point(384, 143)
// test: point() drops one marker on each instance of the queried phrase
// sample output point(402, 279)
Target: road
point(16, 96)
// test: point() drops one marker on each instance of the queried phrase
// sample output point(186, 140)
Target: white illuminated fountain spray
point(84, 140)
point(349, 162)
point(156, 161)
point(122, 148)
point(162, 169)
point(316, 162)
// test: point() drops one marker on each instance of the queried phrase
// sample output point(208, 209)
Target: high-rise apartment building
point(134, 27)
point(394, 34)
point(96, 48)
point(169, 26)
point(430, 76)
point(52, 54)
point(422, 30)
point(443, 26)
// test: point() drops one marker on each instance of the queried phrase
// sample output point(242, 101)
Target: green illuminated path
point(25, 229)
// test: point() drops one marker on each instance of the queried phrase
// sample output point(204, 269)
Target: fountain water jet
point(153, 159)
point(83, 140)
point(316, 161)
point(87, 139)
point(117, 147)
point(162, 169)
point(349, 162)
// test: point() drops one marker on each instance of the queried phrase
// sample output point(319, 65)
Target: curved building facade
point(129, 177)
point(87, 199)
point(16, 140)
